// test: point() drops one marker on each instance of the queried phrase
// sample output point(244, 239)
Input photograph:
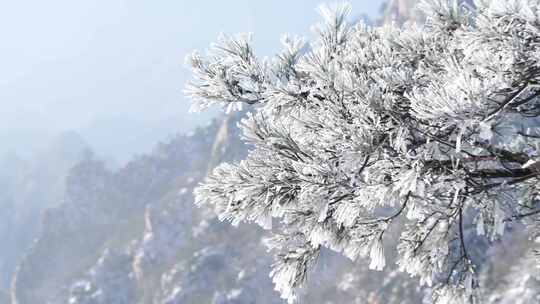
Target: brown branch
point(521, 215)
point(461, 235)
point(499, 173)
point(507, 102)
point(506, 155)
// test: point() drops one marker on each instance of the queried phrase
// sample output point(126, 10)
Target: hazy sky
point(66, 63)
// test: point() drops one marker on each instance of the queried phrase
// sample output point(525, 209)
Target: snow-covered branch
point(431, 127)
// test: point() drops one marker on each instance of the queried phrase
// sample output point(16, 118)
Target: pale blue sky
point(66, 63)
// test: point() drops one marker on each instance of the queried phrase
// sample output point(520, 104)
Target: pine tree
point(433, 129)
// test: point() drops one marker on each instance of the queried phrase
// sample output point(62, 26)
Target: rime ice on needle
point(432, 128)
point(376, 254)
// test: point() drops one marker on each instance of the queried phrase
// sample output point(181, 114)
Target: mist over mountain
point(78, 66)
point(120, 138)
point(29, 187)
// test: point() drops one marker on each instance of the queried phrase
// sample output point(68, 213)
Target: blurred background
point(99, 157)
point(111, 71)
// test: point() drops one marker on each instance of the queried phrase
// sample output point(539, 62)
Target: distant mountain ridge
point(107, 211)
point(122, 138)
point(28, 188)
point(133, 235)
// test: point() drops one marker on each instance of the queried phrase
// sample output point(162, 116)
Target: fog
point(112, 70)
